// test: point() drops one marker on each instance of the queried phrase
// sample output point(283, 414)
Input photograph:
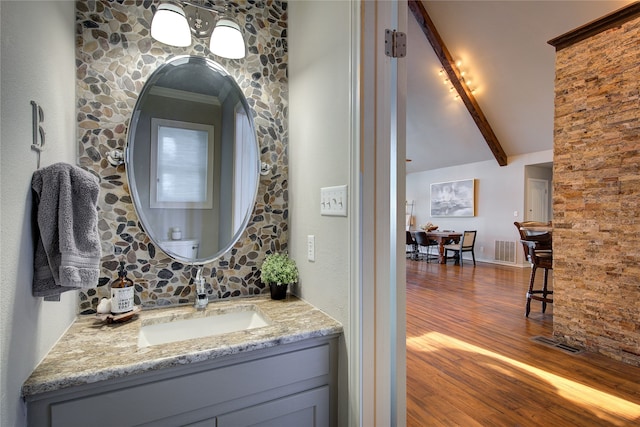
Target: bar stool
point(539, 258)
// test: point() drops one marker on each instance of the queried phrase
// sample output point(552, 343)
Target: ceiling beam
point(429, 29)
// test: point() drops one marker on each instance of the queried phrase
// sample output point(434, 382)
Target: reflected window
point(181, 160)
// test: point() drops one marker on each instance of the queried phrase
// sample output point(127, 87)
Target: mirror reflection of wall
point(228, 107)
point(193, 222)
point(244, 176)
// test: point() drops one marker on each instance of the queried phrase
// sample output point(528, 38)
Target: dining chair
point(466, 244)
point(412, 246)
point(423, 241)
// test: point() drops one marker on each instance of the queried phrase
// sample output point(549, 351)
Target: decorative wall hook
point(38, 131)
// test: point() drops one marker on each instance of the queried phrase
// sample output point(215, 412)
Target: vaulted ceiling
point(502, 48)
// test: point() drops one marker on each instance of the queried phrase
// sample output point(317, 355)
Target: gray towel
point(67, 253)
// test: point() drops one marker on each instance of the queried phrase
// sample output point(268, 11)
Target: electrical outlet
point(311, 247)
point(333, 201)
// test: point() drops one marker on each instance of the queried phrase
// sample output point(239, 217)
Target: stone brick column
point(596, 204)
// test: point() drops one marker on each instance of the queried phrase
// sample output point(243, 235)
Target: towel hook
point(265, 168)
point(38, 131)
point(115, 157)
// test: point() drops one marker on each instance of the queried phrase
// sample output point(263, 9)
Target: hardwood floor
point(471, 360)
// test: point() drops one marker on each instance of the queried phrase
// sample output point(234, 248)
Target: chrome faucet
point(202, 298)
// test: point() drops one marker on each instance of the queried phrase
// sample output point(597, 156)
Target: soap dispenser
point(201, 292)
point(122, 290)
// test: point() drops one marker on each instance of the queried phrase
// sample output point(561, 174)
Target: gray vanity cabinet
point(287, 385)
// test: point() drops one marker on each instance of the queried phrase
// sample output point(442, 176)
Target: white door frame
point(379, 298)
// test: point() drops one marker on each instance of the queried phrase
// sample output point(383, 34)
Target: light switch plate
point(333, 201)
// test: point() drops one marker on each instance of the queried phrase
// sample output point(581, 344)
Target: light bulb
point(226, 40)
point(170, 26)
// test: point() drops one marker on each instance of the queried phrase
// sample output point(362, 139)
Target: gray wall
point(37, 63)
point(319, 84)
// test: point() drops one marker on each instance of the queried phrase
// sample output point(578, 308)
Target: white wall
point(37, 63)
point(499, 194)
point(319, 147)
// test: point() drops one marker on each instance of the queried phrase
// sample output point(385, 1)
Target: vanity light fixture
point(175, 21)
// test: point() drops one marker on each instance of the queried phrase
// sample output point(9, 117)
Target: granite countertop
point(92, 350)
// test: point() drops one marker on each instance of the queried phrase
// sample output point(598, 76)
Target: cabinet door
point(306, 409)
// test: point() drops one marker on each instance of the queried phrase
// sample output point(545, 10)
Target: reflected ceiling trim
point(441, 51)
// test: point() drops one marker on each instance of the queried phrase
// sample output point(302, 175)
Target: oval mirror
point(192, 159)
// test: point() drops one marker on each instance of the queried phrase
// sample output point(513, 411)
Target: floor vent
point(552, 343)
point(505, 251)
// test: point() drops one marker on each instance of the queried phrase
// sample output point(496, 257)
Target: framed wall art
point(453, 198)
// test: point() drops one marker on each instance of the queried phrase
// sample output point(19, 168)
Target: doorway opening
point(538, 192)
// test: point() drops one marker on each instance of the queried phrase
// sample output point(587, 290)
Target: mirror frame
point(128, 156)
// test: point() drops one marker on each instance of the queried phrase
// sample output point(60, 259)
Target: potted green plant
point(278, 270)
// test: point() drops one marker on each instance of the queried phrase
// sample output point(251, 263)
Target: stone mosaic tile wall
point(115, 54)
point(597, 194)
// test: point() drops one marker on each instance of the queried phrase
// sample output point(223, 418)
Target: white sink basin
point(199, 325)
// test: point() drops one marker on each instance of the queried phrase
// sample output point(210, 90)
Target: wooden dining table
point(442, 237)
